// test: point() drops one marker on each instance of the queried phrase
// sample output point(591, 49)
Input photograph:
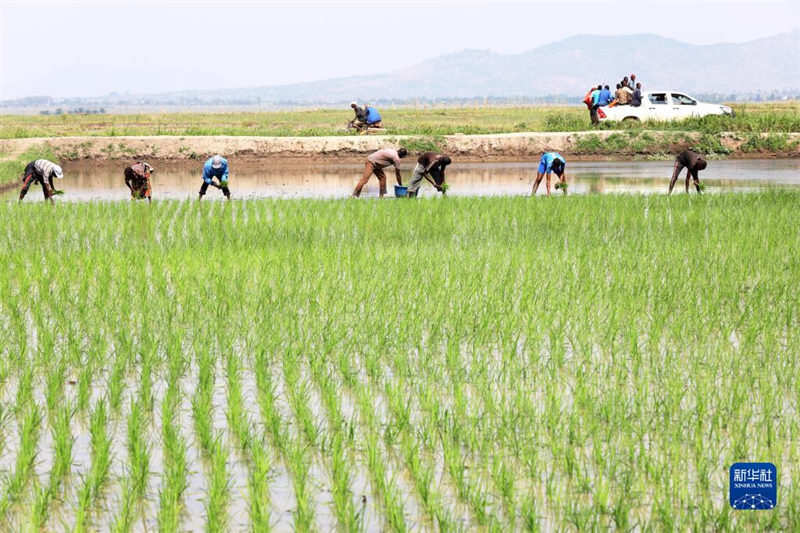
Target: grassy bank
point(751, 118)
point(11, 169)
point(512, 363)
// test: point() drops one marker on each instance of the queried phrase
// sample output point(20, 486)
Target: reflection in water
point(84, 182)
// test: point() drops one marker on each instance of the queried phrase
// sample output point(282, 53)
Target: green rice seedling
point(61, 429)
point(116, 385)
point(299, 465)
point(26, 456)
point(125, 516)
point(299, 399)
point(24, 396)
point(218, 489)
point(505, 481)
point(147, 360)
point(259, 510)
point(236, 416)
point(4, 418)
point(134, 484)
point(85, 379)
point(54, 384)
point(202, 405)
point(348, 515)
point(138, 449)
point(176, 465)
point(96, 479)
point(385, 486)
point(252, 446)
point(530, 519)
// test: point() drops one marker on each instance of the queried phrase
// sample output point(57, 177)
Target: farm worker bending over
point(429, 164)
point(215, 167)
point(375, 164)
point(137, 178)
point(693, 162)
point(42, 172)
point(373, 117)
point(361, 115)
point(550, 162)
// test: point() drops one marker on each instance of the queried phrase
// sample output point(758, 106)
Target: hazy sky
point(93, 48)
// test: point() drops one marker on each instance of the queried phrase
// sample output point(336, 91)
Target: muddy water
point(85, 181)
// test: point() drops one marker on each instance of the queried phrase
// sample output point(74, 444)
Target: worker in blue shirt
point(215, 167)
point(605, 97)
point(373, 117)
point(551, 162)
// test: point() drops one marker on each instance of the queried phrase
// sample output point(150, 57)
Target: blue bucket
point(400, 191)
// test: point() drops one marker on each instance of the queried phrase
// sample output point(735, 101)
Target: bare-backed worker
point(693, 163)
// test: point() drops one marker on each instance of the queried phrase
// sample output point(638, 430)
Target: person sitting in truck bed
point(622, 96)
point(605, 97)
point(636, 97)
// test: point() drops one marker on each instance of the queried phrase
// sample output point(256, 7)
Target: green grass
point(11, 169)
point(427, 121)
point(578, 362)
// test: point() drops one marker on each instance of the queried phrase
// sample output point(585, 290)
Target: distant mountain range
point(566, 68)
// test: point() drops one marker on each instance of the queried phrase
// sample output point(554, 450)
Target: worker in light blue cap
point(215, 167)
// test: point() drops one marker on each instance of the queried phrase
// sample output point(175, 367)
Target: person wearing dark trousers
point(42, 172)
point(595, 104)
point(429, 164)
point(693, 163)
point(215, 167)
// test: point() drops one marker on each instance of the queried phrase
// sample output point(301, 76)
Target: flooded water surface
point(84, 181)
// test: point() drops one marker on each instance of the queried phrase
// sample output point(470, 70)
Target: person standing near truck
point(137, 178)
point(41, 171)
point(595, 97)
point(429, 164)
point(693, 163)
point(375, 164)
point(215, 167)
point(550, 162)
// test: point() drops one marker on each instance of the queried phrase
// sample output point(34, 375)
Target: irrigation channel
point(89, 181)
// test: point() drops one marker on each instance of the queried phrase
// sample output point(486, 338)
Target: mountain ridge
point(567, 67)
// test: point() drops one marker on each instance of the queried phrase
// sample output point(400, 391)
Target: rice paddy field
point(491, 364)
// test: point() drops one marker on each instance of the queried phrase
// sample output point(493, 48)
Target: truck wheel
point(630, 119)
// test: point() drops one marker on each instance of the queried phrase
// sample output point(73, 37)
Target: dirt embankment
point(616, 145)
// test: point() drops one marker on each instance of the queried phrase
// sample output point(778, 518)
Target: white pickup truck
point(663, 105)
